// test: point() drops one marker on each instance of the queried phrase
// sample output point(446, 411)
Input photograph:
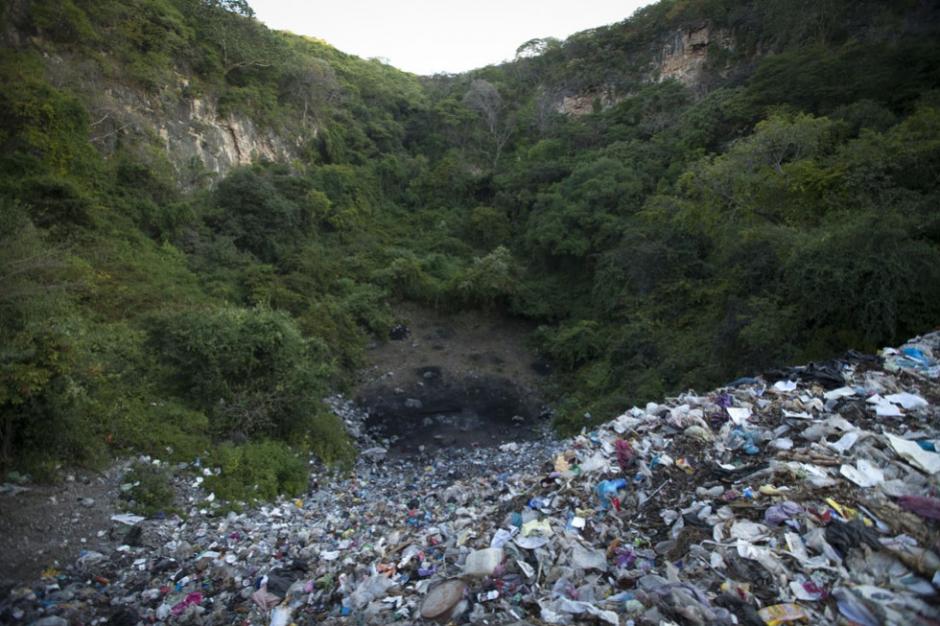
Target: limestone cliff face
point(199, 140)
point(685, 52)
point(590, 102)
point(219, 142)
point(681, 54)
point(195, 136)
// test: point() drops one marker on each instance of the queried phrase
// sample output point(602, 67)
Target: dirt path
point(46, 525)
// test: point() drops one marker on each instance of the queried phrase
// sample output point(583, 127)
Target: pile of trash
point(807, 497)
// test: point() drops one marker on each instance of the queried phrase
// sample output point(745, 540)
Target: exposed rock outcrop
point(681, 55)
point(220, 142)
point(197, 138)
point(685, 54)
point(590, 102)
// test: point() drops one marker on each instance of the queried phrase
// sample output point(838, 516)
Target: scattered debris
point(803, 499)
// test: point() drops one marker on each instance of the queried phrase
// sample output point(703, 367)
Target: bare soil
point(468, 343)
point(456, 380)
point(51, 524)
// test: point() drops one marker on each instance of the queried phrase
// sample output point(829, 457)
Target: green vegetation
point(258, 471)
point(781, 209)
point(150, 491)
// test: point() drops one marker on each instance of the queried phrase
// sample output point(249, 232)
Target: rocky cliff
point(680, 54)
point(175, 116)
point(685, 53)
point(191, 130)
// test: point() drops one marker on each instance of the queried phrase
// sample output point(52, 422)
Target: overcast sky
point(430, 36)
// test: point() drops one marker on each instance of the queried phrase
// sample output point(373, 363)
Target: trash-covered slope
point(810, 496)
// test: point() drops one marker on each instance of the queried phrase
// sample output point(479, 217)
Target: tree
point(250, 370)
point(536, 47)
point(36, 351)
point(311, 85)
point(484, 98)
point(764, 175)
point(258, 215)
point(238, 7)
point(242, 42)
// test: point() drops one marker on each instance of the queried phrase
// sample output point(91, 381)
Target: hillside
point(204, 222)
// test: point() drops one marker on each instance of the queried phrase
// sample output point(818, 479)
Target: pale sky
point(430, 36)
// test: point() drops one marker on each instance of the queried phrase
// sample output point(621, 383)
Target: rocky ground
point(446, 381)
point(45, 525)
point(466, 344)
point(810, 495)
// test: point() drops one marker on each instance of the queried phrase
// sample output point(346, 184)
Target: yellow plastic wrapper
point(847, 512)
point(782, 613)
point(561, 464)
point(541, 527)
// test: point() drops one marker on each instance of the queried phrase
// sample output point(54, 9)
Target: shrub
point(250, 208)
point(490, 279)
point(151, 491)
point(572, 343)
point(57, 201)
point(250, 369)
point(257, 471)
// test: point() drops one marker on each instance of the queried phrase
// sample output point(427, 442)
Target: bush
point(365, 303)
point(419, 278)
point(163, 428)
point(490, 279)
point(61, 21)
point(57, 202)
point(257, 471)
point(151, 492)
point(572, 343)
point(250, 208)
point(250, 370)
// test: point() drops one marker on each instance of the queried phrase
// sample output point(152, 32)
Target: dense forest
point(776, 203)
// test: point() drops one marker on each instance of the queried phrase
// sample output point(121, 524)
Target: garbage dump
point(810, 496)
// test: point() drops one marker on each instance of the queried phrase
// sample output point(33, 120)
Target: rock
point(399, 332)
point(442, 600)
